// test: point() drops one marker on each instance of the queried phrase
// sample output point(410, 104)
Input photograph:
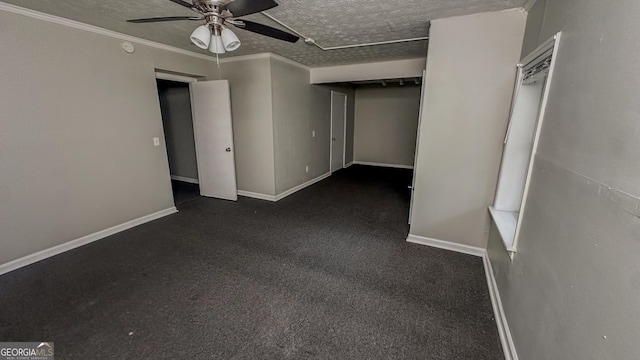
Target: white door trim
point(187, 79)
point(415, 156)
point(344, 140)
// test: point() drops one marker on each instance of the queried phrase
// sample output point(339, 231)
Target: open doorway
point(338, 130)
point(380, 138)
point(197, 120)
point(177, 120)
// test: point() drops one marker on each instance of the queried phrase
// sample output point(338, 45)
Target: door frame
point(344, 140)
point(185, 79)
point(415, 157)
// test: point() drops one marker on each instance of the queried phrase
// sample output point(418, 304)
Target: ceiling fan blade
point(183, 3)
point(161, 19)
point(267, 31)
point(247, 7)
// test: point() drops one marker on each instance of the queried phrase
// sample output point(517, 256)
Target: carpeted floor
point(184, 192)
point(323, 274)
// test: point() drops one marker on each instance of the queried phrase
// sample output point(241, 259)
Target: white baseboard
point(284, 194)
point(396, 166)
point(348, 164)
point(184, 179)
point(302, 186)
point(41, 255)
point(508, 346)
point(447, 245)
point(256, 195)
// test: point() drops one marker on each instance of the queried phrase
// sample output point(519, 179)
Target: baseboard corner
point(393, 166)
point(446, 245)
point(255, 195)
point(185, 179)
point(301, 186)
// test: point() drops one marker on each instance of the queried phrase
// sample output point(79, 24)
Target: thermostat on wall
point(128, 47)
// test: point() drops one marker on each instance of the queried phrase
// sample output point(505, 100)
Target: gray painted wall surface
point(251, 107)
point(175, 105)
point(77, 118)
point(469, 85)
point(572, 290)
point(298, 109)
point(535, 20)
point(386, 124)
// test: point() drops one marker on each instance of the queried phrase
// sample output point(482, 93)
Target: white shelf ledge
point(506, 222)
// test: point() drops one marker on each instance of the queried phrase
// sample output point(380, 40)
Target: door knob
point(227, 149)
point(333, 139)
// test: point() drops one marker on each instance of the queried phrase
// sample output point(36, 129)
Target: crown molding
point(113, 34)
point(528, 5)
point(245, 57)
point(263, 56)
point(98, 30)
point(289, 61)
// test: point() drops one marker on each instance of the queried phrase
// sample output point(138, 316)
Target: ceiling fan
point(217, 15)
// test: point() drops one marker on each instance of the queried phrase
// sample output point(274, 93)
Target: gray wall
point(175, 105)
point(576, 277)
point(251, 106)
point(535, 20)
point(386, 124)
point(298, 109)
point(469, 85)
point(77, 116)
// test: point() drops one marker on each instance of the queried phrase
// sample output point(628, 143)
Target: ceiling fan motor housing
point(210, 4)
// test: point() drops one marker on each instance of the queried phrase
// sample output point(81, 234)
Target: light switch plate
point(156, 141)
point(313, 133)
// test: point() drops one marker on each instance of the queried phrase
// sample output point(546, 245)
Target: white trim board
point(98, 30)
point(273, 57)
point(446, 245)
point(302, 186)
point(283, 195)
point(508, 346)
point(395, 166)
point(255, 195)
point(184, 179)
point(70, 245)
point(348, 164)
point(114, 34)
point(506, 339)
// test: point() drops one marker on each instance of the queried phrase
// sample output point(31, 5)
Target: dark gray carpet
point(324, 274)
point(184, 192)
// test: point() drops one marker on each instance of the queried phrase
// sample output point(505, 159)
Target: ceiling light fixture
point(217, 45)
point(217, 38)
point(218, 15)
point(201, 36)
point(229, 39)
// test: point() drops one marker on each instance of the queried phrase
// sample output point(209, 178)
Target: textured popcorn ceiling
point(329, 22)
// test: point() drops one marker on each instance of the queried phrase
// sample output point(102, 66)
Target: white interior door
point(338, 129)
point(415, 159)
point(211, 106)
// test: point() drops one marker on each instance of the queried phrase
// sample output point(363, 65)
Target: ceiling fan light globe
point(201, 37)
point(230, 40)
point(216, 46)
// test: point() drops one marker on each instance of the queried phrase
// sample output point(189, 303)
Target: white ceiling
point(329, 22)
